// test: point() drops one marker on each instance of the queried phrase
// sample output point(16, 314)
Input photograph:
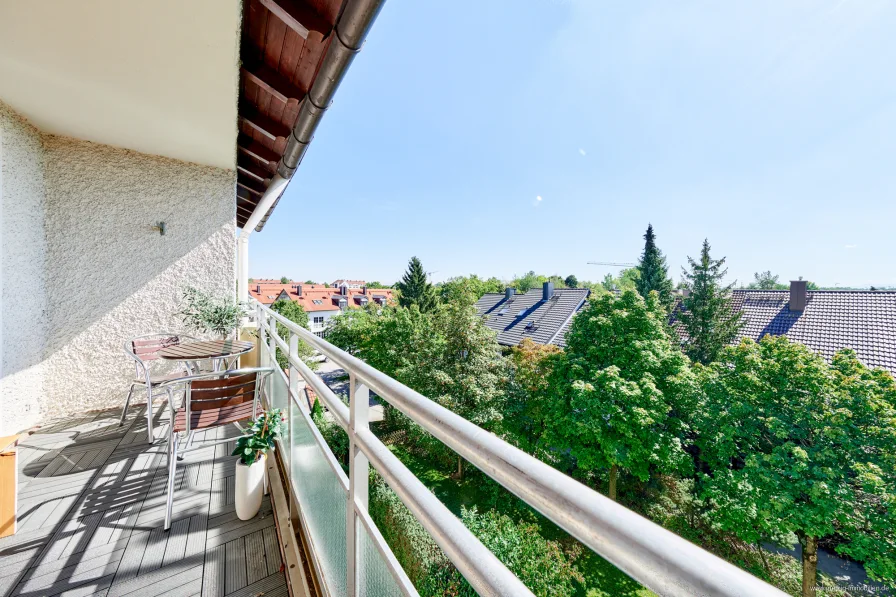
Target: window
point(318, 320)
point(522, 312)
point(504, 311)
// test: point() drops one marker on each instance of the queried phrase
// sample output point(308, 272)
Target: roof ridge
point(826, 290)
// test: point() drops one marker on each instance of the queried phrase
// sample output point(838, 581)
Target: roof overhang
point(157, 77)
point(294, 54)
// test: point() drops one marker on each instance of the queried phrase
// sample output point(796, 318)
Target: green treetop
point(415, 289)
point(284, 280)
point(766, 281)
point(571, 281)
point(707, 314)
point(795, 447)
point(448, 355)
point(616, 393)
point(528, 281)
point(654, 271)
point(470, 287)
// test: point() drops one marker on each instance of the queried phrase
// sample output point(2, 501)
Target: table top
point(210, 349)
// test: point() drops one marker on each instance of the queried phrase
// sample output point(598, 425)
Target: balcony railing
point(353, 558)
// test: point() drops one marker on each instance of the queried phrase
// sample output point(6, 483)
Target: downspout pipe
point(348, 36)
point(351, 28)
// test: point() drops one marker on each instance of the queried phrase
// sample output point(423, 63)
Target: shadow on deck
point(91, 510)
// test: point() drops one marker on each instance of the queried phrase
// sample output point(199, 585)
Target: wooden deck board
point(91, 510)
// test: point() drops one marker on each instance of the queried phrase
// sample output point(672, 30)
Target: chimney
point(299, 289)
point(364, 290)
point(547, 291)
point(258, 288)
point(508, 293)
point(344, 290)
point(799, 295)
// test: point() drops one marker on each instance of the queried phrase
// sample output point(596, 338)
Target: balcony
point(92, 498)
point(130, 156)
point(91, 509)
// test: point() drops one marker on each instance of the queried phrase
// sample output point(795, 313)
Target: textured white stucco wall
point(23, 323)
point(109, 275)
point(82, 270)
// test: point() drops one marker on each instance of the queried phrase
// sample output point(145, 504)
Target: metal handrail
point(656, 557)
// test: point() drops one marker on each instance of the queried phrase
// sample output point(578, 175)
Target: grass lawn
point(602, 579)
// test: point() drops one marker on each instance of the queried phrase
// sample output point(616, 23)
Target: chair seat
point(212, 417)
point(159, 378)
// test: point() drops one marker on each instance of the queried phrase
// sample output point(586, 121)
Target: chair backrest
point(147, 348)
point(226, 389)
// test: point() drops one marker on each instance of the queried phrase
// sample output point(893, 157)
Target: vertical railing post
point(272, 344)
point(260, 318)
point(295, 385)
point(358, 469)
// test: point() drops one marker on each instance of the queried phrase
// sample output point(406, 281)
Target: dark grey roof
point(542, 320)
point(864, 321)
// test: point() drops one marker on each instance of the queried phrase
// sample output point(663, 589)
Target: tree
point(310, 282)
point(706, 314)
point(468, 287)
point(525, 418)
point(528, 281)
point(449, 355)
point(797, 448)
point(571, 281)
point(620, 391)
point(766, 281)
point(626, 280)
point(294, 312)
point(654, 273)
point(870, 401)
point(470, 374)
point(374, 285)
point(541, 564)
point(415, 288)
point(609, 283)
point(284, 280)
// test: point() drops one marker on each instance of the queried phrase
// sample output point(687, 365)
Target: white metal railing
point(652, 555)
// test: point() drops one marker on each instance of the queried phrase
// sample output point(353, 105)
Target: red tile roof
point(315, 297)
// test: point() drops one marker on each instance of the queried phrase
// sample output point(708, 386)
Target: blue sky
point(767, 127)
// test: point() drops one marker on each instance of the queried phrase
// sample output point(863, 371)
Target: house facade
point(321, 303)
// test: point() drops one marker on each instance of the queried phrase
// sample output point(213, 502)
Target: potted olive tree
point(258, 438)
point(205, 313)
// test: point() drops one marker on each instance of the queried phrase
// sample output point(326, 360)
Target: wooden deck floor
point(91, 510)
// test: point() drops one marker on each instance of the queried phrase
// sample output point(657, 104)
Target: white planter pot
point(249, 488)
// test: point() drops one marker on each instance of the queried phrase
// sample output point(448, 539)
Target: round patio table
point(217, 351)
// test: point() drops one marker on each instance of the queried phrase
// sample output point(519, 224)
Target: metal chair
point(210, 400)
point(143, 349)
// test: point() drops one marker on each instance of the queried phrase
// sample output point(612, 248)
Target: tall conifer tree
point(654, 271)
point(415, 288)
point(707, 314)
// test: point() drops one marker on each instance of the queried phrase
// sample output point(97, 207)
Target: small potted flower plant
point(258, 438)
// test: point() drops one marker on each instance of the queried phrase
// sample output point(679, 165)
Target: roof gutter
point(351, 28)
